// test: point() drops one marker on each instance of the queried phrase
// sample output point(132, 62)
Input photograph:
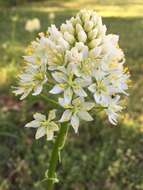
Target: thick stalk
point(51, 100)
point(58, 145)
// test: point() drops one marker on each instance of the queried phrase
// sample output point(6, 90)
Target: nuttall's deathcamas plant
point(83, 67)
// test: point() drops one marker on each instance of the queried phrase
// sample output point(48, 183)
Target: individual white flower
point(32, 25)
point(100, 91)
point(118, 82)
point(38, 54)
point(68, 84)
point(32, 79)
point(44, 126)
point(75, 111)
point(113, 108)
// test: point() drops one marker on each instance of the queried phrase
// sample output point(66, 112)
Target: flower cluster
point(85, 64)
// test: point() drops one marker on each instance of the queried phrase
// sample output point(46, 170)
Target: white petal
point(66, 116)
point(97, 98)
point(59, 77)
point(39, 116)
point(50, 135)
point(41, 131)
point(61, 102)
point(52, 115)
point(80, 92)
point(85, 116)
point(37, 90)
point(26, 77)
point(75, 122)
point(33, 124)
point(29, 58)
point(68, 95)
point(18, 91)
point(112, 119)
point(54, 126)
point(25, 94)
point(56, 90)
point(92, 88)
point(88, 105)
point(84, 82)
point(52, 67)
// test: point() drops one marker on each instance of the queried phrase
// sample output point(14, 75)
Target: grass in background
point(101, 157)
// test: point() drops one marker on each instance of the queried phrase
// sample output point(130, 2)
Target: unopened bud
point(85, 16)
point(82, 37)
point(95, 43)
point(68, 37)
point(93, 34)
point(68, 27)
point(78, 28)
point(95, 52)
point(88, 26)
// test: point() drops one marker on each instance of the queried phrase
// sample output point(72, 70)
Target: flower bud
point(94, 43)
point(64, 44)
point(63, 28)
point(93, 34)
point(95, 52)
point(85, 15)
point(99, 21)
point(78, 28)
point(68, 27)
point(94, 19)
point(68, 37)
point(88, 26)
point(77, 20)
point(82, 37)
point(102, 30)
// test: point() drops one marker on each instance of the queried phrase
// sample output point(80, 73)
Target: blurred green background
point(101, 157)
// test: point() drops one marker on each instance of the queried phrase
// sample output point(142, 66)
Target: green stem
point(58, 145)
point(51, 100)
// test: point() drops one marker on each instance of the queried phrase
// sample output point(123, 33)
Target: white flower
point(75, 111)
point(32, 79)
point(38, 54)
point(113, 108)
point(32, 25)
point(100, 91)
point(68, 84)
point(44, 126)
